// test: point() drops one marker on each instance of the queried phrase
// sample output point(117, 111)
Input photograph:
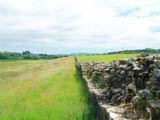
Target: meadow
point(105, 58)
point(43, 90)
point(46, 89)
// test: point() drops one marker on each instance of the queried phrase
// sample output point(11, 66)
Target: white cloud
point(60, 26)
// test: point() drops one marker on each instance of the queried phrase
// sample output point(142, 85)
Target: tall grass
point(43, 90)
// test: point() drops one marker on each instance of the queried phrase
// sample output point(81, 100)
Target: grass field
point(105, 58)
point(46, 89)
point(43, 90)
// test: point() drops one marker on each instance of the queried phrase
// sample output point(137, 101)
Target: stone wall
point(103, 110)
point(124, 89)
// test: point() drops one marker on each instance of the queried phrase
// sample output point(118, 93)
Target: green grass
point(46, 89)
point(43, 90)
point(105, 58)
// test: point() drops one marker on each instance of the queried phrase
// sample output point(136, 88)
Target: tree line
point(147, 50)
point(28, 56)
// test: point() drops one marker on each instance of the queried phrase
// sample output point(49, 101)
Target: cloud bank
point(60, 26)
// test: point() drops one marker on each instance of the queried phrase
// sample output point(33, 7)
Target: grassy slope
point(105, 58)
point(42, 90)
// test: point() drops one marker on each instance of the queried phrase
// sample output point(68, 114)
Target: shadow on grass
point(88, 114)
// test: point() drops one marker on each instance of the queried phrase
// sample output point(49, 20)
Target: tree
point(26, 52)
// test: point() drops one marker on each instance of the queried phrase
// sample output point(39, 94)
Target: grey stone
point(128, 79)
point(144, 93)
point(149, 58)
point(130, 73)
point(109, 93)
point(112, 71)
point(116, 90)
point(151, 66)
point(157, 73)
point(122, 72)
point(154, 103)
point(143, 73)
point(115, 97)
point(137, 69)
point(131, 86)
point(107, 79)
point(107, 69)
point(157, 62)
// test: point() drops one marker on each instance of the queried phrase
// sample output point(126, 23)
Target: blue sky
point(72, 26)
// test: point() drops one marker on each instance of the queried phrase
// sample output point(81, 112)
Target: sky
point(79, 26)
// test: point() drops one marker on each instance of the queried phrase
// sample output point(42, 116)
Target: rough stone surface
point(134, 82)
point(157, 73)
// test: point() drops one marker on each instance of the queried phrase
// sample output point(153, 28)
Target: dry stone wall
point(124, 89)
